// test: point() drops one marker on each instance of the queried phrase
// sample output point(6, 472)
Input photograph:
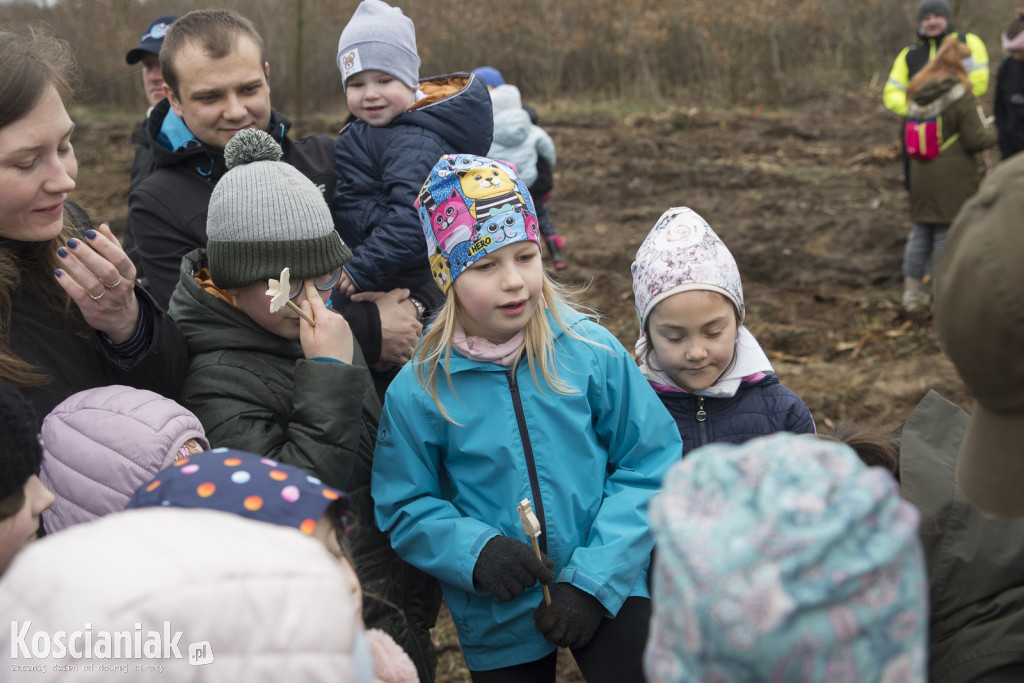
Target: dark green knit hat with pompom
point(265, 216)
point(21, 451)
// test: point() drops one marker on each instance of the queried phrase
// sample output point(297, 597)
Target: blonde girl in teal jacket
point(514, 395)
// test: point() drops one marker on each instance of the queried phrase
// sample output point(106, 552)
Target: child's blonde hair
point(538, 347)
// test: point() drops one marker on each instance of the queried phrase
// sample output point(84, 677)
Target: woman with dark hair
point(1008, 105)
point(71, 317)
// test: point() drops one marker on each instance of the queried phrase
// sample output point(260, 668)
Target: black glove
point(571, 618)
point(507, 567)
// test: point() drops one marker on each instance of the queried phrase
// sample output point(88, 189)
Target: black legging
point(613, 655)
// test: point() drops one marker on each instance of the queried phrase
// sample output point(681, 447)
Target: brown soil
point(812, 205)
point(810, 202)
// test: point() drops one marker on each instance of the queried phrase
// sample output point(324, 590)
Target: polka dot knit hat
point(245, 484)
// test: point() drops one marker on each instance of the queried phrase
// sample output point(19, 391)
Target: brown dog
point(948, 61)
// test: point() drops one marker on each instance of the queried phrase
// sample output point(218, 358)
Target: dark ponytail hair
point(1016, 24)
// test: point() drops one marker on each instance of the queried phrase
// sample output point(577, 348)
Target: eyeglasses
point(323, 283)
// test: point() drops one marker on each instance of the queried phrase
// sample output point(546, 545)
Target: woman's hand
point(100, 278)
point(331, 337)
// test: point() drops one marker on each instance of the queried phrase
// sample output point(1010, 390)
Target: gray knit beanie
point(379, 37)
point(265, 216)
point(933, 7)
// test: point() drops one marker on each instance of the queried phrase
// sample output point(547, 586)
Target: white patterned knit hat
point(682, 253)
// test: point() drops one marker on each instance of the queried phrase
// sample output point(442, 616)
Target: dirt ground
point(809, 200)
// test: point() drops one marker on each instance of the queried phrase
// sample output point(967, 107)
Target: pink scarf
point(479, 349)
point(1015, 43)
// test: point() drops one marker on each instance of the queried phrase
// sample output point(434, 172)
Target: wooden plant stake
point(531, 525)
point(277, 290)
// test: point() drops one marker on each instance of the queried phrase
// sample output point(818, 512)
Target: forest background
point(696, 52)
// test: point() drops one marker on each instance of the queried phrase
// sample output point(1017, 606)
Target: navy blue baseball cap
point(152, 39)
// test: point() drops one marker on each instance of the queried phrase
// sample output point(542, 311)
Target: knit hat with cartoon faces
point(379, 37)
point(469, 207)
point(933, 7)
point(21, 449)
point(265, 215)
point(245, 484)
point(785, 558)
point(682, 253)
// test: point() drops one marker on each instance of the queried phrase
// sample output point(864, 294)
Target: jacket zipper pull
point(701, 413)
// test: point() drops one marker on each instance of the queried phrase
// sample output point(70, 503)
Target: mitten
point(507, 567)
point(571, 618)
point(391, 664)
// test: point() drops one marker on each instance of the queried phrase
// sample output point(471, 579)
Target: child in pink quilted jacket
point(101, 444)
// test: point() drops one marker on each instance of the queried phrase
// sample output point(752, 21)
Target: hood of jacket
point(211, 324)
point(101, 444)
point(178, 571)
point(974, 560)
point(936, 96)
point(172, 143)
point(511, 128)
point(457, 108)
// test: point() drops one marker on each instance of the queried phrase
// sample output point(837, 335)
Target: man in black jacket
point(216, 80)
point(148, 52)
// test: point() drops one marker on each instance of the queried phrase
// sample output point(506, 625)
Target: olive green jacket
point(975, 562)
point(256, 391)
point(940, 186)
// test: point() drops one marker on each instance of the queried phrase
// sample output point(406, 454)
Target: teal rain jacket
point(589, 462)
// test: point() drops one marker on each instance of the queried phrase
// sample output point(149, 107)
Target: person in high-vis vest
point(934, 22)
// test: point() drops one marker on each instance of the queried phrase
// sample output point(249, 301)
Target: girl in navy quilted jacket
point(706, 367)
